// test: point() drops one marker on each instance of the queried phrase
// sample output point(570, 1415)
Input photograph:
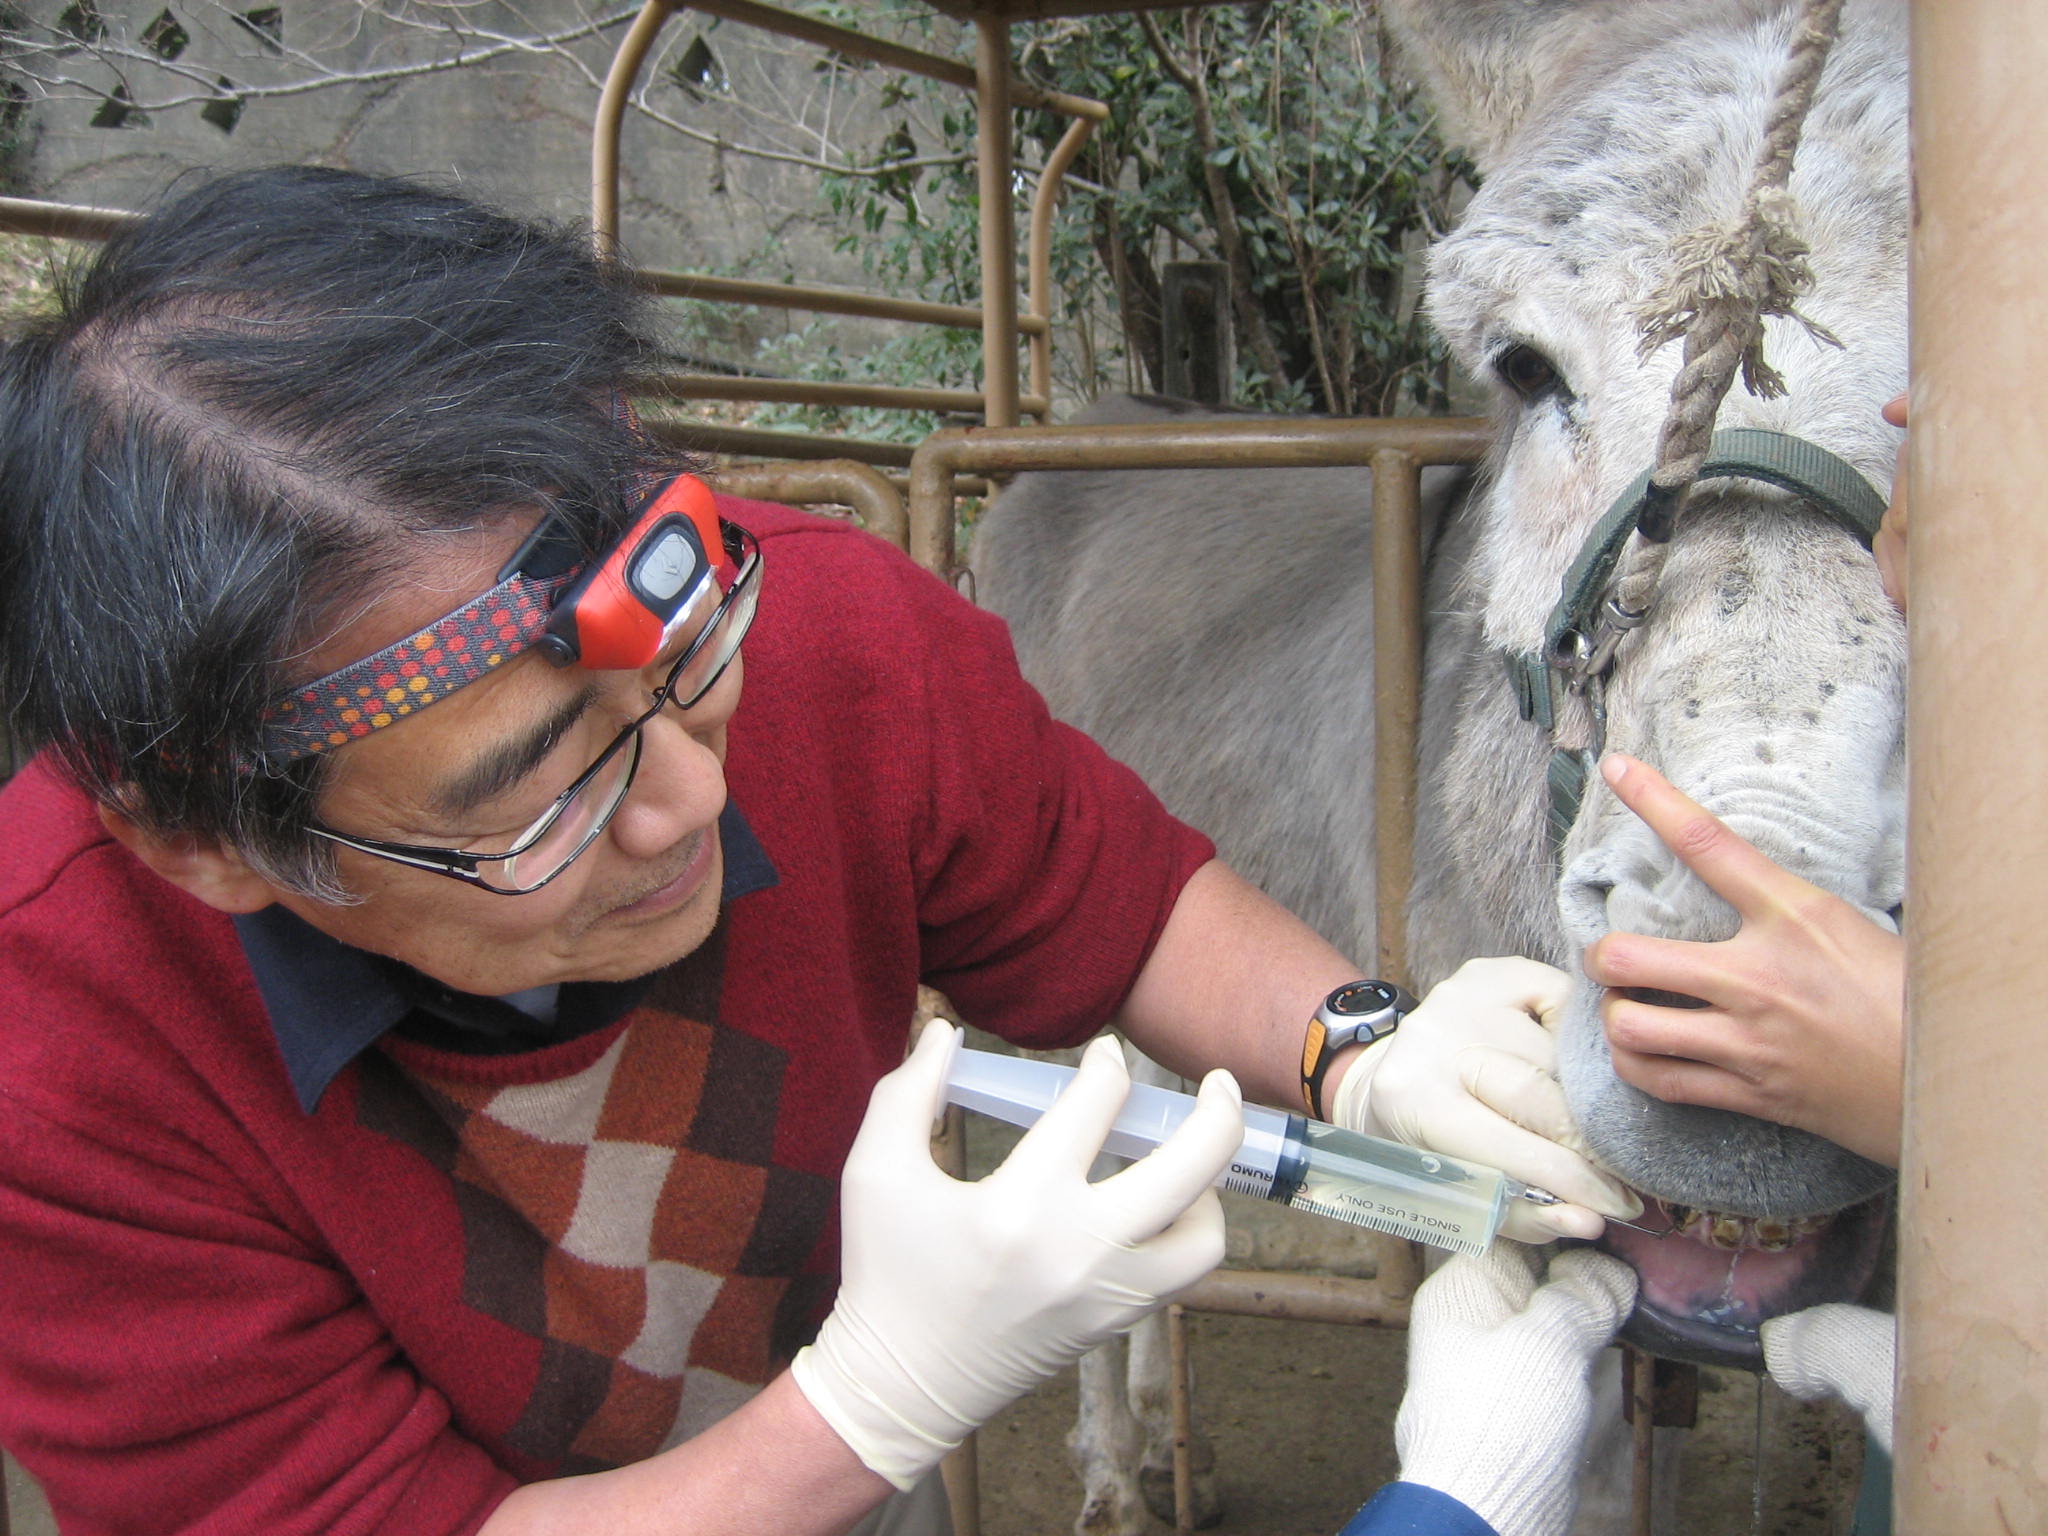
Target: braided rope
point(1730, 276)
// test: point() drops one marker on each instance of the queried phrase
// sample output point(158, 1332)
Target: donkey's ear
point(1488, 63)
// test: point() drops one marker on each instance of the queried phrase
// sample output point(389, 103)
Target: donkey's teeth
point(1731, 1233)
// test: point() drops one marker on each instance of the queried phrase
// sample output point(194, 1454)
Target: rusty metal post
point(725, 386)
point(993, 173)
point(1972, 1428)
point(1288, 1296)
point(1637, 1385)
point(62, 221)
point(1397, 694)
point(1183, 1395)
point(961, 1467)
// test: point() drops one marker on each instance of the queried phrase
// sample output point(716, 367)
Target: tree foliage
point(1270, 137)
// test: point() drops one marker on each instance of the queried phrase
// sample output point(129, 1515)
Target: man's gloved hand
point(1498, 1398)
point(1837, 1350)
point(1472, 1074)
point(957, 1297)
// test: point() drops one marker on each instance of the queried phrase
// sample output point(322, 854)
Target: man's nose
point(679, 789)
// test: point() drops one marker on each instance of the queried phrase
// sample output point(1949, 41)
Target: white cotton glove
point(1836, 1350)
point(957, 1297)
point(1498, 1398)
point(1472, 1073)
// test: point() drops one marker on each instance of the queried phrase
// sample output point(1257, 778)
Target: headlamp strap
point(424, 667)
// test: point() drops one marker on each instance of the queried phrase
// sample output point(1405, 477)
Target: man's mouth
point(695, 853)
point(1709, 1279)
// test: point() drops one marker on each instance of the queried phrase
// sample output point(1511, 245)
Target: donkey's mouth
point(1708, 1282)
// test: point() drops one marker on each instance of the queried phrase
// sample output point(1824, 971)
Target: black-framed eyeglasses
point(547, 845)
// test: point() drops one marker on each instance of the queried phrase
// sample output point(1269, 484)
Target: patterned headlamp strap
point(379, 690)
point(448, 654)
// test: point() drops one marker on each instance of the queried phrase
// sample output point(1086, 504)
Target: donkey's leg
point(1104, 1446)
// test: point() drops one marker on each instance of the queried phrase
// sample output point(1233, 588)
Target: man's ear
point(198, 866)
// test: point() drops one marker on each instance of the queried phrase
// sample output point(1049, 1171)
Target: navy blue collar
point(329, 1002)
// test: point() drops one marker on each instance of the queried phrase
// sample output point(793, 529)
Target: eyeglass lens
point(566, 829)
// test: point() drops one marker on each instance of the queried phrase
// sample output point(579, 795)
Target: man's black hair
point(250, 410)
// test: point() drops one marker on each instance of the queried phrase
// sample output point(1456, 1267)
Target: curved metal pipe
point(1038, 266)
point(994, 173)
point(839, 482)
point(611, 112)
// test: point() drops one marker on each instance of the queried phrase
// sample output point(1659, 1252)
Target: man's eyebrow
point(509, 761)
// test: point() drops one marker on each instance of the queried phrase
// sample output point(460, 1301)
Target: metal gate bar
point(1397, 447)
point(840, 482)
point(996, 91)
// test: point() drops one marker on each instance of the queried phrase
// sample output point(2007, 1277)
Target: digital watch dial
point(1357, 1013)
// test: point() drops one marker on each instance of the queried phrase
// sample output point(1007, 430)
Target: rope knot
point(1727, 278)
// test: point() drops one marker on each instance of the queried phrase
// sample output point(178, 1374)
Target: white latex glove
point(1837, 1350)
point(955, 1297)
point(1472, 1073)
point(1498, 1399)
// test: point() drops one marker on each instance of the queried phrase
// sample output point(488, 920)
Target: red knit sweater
point(221, 1313)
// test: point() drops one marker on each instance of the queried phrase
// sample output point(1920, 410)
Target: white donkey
point(1212, 628)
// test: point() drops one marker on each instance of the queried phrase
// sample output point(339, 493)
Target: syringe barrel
point(1299, 1162)
point(1419, 1195)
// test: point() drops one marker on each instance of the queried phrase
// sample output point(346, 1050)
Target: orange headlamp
point(620, 613)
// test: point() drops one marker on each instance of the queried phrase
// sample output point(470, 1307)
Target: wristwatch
point(1357, 1013)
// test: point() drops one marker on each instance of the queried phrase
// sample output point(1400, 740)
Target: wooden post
point(1973, 1366)
point(1195, 331)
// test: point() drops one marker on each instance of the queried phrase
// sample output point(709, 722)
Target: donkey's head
point(1768, 678)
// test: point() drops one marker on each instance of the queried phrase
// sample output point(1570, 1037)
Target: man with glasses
point(440, 1010)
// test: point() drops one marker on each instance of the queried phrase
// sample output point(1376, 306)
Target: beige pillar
point(1972, 1439)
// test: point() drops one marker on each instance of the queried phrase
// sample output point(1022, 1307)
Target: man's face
point(485, 762)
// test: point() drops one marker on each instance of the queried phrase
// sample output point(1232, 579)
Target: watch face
point(1362, 998)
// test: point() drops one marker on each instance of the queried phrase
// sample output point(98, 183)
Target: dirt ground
point(1302, 1419)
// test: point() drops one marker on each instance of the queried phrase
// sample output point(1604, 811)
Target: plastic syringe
point(1301, 1163)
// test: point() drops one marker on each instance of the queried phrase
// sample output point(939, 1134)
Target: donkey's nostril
point(1657, 997)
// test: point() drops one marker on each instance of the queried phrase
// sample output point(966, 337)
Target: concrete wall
point(515, 130)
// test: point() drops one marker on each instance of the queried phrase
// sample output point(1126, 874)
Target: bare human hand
point(1890, 545)
point(1804, 1015)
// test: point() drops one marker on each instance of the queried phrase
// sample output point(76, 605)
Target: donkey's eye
point(1526, 371)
